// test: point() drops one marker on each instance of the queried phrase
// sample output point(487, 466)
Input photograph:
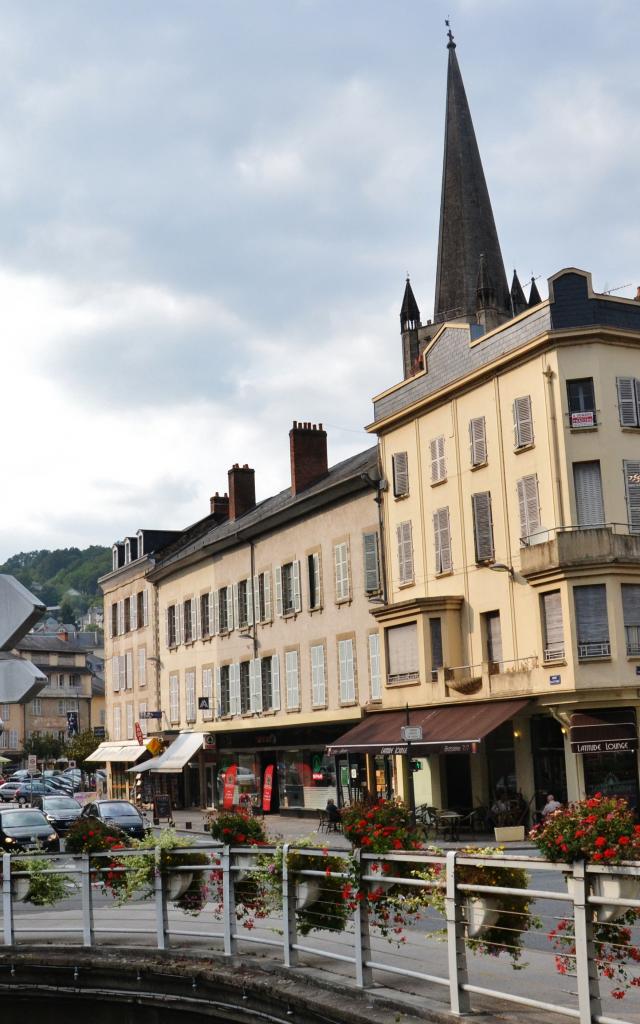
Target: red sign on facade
point(229, 786)
point(267, 788)
point(139, 735)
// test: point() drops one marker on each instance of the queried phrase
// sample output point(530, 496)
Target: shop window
point(402, 654)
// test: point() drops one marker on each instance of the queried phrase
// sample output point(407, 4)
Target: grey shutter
point(494, 638)
point(133, 611)
point(438, 461)
point(631, 603)
point(297, 598)
point(196, 619)
point(591, 614)
point(234, 686)
point(252, 685)
point(482, 525)
point(275, 683)
point(523, 421)
point(371, 563)
point(249, 603)
point(215, 618)
point(632, 483)
point(145, 607)
point(256, 599)
point(442, 539)
point(528, 506)
point(268, 613)
point(628, 401)
point(217, 697)
point(278, 590)
point(478, 441)
point(400, 464)
point(588, 487)
point(236, 616)
point(167, 630)
point(553, 628)
point(230, 619)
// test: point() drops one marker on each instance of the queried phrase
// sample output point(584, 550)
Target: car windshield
point(22, 819)
point(60, 803)
point(117, 810)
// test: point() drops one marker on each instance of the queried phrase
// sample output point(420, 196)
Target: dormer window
point(114, 557)
point(127, 551)
point(140, 536)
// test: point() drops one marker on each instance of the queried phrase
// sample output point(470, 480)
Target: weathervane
point(447, 22)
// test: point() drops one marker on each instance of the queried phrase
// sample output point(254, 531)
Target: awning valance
point(181, 750)
point(456, 729)
point(146, 766)
point(112, 752)
point(604, 731)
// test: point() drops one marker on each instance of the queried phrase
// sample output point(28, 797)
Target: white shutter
point(482, 526)
point(371, 563)
point(318, 688)
point(230, 618)
point(256, 599)
point(145, 607)
point(123, 672)
point(347, 678)
point(442, 538)
point(257, 675)
point(234, 688)
point(523, 421)
point(129, 670)
point(587, 481)
point(250, 614)
point(400, 468)
point(528, 506)
point(405, 552)
point(275, 683)
point(279, 590)
point(293, 684)
point(553, 628)
point(438, 461)
point(179, 623)
point(374, 666)
point(133, 611)
point(252, 685)
point(196, 618)
point(142, 666)
point(217, 697)
point(341, 557)
point(115, 673)
point(236, 606)
point(297, 600)
point(628, 401)
point(478, 441)
point(632, 483)
point(214, 613)
point(167, 630)
point(120, 617)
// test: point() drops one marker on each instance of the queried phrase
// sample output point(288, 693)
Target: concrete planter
point(616, 888)
point(20, 888)
point(177, 884)
point(509, 834)
point(481, 913)
point(307, 893)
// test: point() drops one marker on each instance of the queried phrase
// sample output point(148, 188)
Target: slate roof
point(48, 642)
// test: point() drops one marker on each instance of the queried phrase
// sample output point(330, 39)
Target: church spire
point(467, 227)
point(409, 312)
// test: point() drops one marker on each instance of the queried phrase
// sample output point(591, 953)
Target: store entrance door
point(457, 773)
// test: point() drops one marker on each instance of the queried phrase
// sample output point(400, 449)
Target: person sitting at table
point(333, 814)
point(551, 805)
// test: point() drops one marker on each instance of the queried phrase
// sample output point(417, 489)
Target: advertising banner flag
point(267, 788)
point(229, 786)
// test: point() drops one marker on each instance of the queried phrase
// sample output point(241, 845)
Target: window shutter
point(628, 401)
point(268, 611)
point(400, 467)
point(279, 590)
point(478, 441)
point(442, 537)
point(523, 421)
point(249, 603)
point(631, 604)
point(252, 685)
point(632, 481)
point(297, 600)
point(482, 525)
point(528, 505)
point(291, 671)
point(591, 614)
point(553, 628)
point(347, 681)
point(256, 599)
point(120, 617)
point(115, 673)
point(587, 481)
point(217, 697)
point(318, 694)
point(371, 563)
point(257, 672)
point(438, 461)
point(435, 635)
point(179, 623)
point(214, 613)
point(494, 638)
point(142, 667)
point(196, 619)
point(145, 607)
point(405, 552)
point(133, 611)
point(236, 616)
point(123, 672)
point(129, 670)
point(316, 570)
point(275, 683)
point(167, 630)
point(230, 602)
point(234, 686)
point(374, 666)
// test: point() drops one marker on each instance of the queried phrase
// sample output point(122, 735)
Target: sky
point(208, 209)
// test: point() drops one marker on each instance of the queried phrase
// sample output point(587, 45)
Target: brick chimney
point(308, 447)
point(242, 490)
point(219, 506)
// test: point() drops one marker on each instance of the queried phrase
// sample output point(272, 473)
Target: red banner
point(139, 735)
point(267, 788)
point(229, 786)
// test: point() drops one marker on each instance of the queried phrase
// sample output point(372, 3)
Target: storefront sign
point(268, 739)
point(151, 714)
point(604, 731)
point(203, 703)
point(604, 747)
point(411, 733)
point(229, 786)
point(267, 788)
point(398, 748)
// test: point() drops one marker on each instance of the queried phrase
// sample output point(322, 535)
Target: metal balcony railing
point(594, 649)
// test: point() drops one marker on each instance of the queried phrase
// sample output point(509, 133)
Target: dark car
point(27, 830)
point(60, 811)
point(28, 791)
point(120, 813)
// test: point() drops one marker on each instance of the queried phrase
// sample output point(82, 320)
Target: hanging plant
point(39, 887)
point(134, 875)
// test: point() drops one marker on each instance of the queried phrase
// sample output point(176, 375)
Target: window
point(5, 712)
point(255, 686)
point(61, 707)
point(405, 552)
point(262, 596)
point(224, 602)
point(318, 682)
point(478, 441)
point(346, 671)
point(172, 638)
point(402, 653)
point(438, 461)
point(552, 626)
point(245, 605)
point(587, 482)
point(114, 619)
point(313, 577)
point(582, 403)
point(629, 401)
point(288, 588)
point(117, 723)
point(142, 711)
point(442, 539)
point(129, 721)
point(127, 615)
point(142, 609)
point(482, 526)
point(632, 483)
point(190, 689)
point(292, 678)
point(371, 563)
point(592, 624)
point(265, 679)
point(188, 625)
point(174, 699)
point(225, 690)
point(375, 675)
point(528, 506)
point(631, 612)
point(493, 640)
point(245, 688)
point(437, 660)
point(400, 469)
point(341, 562)
point(522, 422)
point(205, 621)
point(207, 693)
point(36, 707)
point(128, 670)
point(74, 679)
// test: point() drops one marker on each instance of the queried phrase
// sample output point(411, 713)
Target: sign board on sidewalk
point(162, 806)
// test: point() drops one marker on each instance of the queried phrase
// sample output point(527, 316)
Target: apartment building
point(511, 524)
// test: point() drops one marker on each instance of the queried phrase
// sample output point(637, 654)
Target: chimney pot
point(219, 507)
point(308, 451)
point(242, 490)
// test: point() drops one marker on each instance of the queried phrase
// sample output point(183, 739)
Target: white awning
point(146, 766)
point(181, 750)
point(126, 752)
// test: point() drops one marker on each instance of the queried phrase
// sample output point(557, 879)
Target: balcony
point(491, 678)
point(594, 650)
point(579, 547)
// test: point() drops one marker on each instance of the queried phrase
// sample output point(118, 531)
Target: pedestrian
point(551, 805)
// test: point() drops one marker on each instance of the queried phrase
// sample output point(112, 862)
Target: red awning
point(455, 729)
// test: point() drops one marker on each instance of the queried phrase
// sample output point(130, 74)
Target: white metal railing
point(594, 649)
point(632, 636)
point(368, 956)
point(553, 653)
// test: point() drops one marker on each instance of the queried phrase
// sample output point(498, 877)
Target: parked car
point(120, 813)
point(60, 811)
point(27, 830)
point(22, 774)
point(8, 790)
point(27, 791)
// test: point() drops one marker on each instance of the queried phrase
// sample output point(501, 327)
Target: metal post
point(456, 946)
point(589, 1005)
point(162, 921)
point(7, 902)
point(289, 922)
point(228, 904)
point(362, 934)
point(87, 900)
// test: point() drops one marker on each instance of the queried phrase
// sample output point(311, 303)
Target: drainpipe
point(555, 448)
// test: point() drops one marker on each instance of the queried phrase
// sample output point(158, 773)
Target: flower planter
point(509, 834)
point(20, 888)
point(307, 893)
point(246, 863)
point(177, 884)
point(616, 888)
point(481, 913)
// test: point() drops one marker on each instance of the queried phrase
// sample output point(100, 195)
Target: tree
point(79, 748)
point(46, 747)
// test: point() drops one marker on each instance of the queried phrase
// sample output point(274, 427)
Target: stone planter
point(246, 863)
point(177, 884)
point(509, 834)
point(307, 893)
point(20, 887)
point(616, 888)
point(481, 913)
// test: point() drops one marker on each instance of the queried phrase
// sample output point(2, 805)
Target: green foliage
point(50, 574)
point(44, 889)
point(236, 828)
point(79, 747)
point(86, 836)
point(126, 877)
point(46, 747)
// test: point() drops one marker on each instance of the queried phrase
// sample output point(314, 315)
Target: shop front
point(175, 773)
point(117, 758)
point(607, 740)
